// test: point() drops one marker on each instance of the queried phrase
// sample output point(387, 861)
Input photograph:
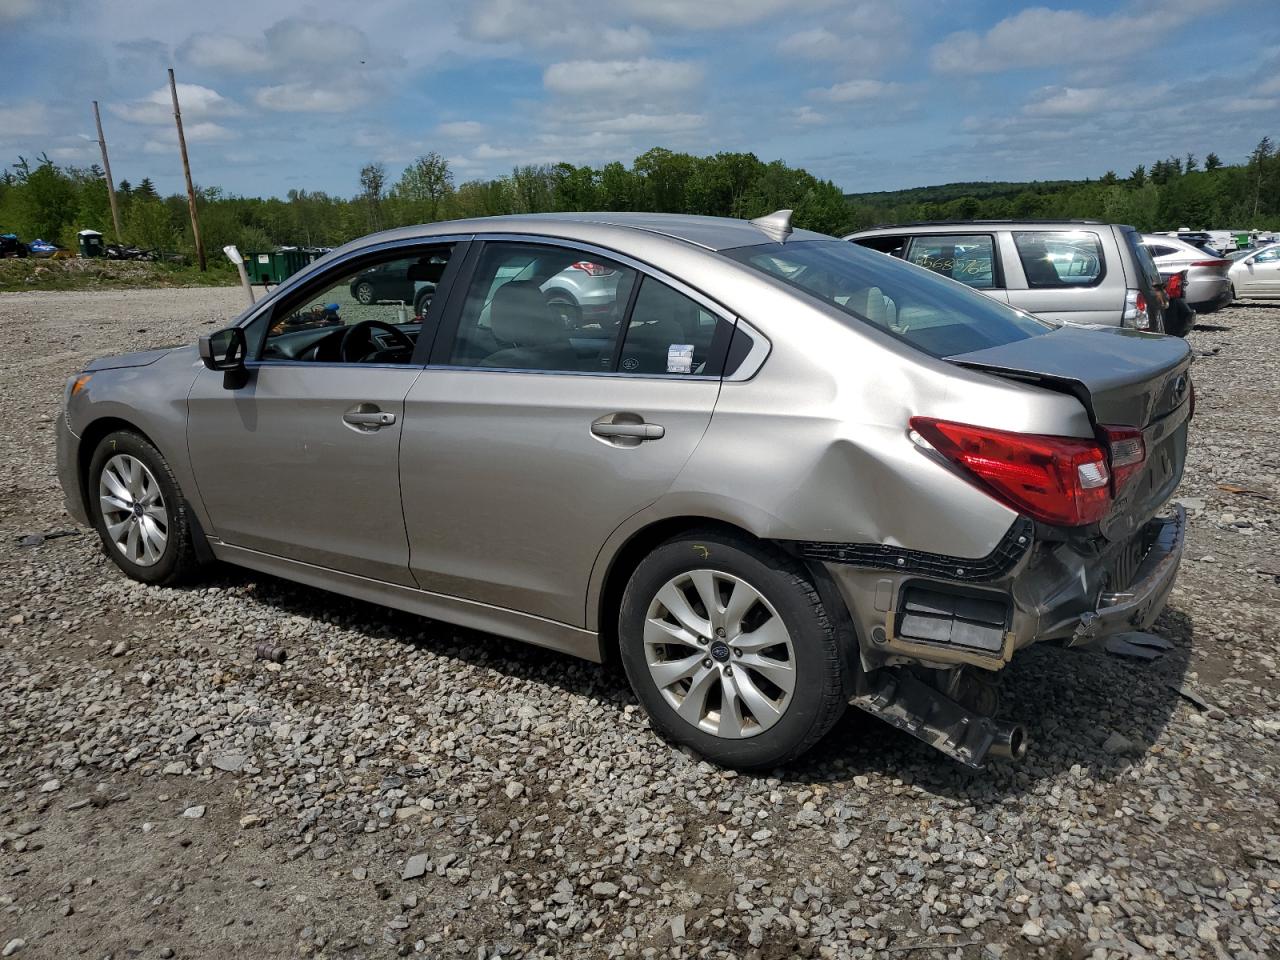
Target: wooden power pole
point(186, 169)
point(106, 166)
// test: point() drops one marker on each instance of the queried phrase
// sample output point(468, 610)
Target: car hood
point(1123, 377)
point(140, 359)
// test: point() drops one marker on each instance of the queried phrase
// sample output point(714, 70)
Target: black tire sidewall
point(362, 287)
point(171, 562)
point(818, 671)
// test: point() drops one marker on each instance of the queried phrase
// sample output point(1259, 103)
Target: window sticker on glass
point(680, 358)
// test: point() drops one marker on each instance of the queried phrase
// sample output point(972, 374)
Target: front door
point(1261, 275)
point(530, 439)
point(302, 462)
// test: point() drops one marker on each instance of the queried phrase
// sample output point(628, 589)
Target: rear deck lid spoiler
point(1122, 377)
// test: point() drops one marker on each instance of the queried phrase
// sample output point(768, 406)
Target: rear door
point(970, 258)
point(1066, 275)
point(527, 442)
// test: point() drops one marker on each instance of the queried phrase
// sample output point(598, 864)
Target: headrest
point(426, 270)
point(519, 314)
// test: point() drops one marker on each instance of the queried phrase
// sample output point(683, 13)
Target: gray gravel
point(398, 787)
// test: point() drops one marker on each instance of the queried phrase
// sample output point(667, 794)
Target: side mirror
point(226, 351)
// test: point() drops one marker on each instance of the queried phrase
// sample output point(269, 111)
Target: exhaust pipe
point(1009, 742)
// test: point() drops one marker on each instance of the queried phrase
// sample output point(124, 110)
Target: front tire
point(138, 510)
point(364, 292)
point(730, 651)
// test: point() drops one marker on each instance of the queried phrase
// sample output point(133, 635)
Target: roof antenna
point(777, 225)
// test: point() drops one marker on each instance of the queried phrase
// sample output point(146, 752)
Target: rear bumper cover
point(1052, 592)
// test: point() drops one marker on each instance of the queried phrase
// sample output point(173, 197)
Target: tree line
point(41, 199)
point(1171, 193)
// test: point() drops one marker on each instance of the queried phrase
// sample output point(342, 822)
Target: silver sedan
point(1256, 274)
point(771, 473)
point(1208, 287)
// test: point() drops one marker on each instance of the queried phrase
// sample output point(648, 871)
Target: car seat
point(518, 315)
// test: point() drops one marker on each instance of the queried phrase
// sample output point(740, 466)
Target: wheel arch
point(104, 426)
point(641, 542)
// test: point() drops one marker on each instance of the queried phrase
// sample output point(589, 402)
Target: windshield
point(932, 313)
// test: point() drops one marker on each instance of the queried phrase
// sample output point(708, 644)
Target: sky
point(872, 94)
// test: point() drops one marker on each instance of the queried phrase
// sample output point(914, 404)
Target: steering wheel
point(358, 333)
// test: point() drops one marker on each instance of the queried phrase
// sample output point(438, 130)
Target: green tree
point(424, 185)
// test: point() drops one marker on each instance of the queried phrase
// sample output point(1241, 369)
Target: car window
point(1159, 250)
point(914, 305)
point(892, 245)
point(670, 333)
point(536, 307)
point(1060, 258)
point(1266, 256)
point(969, 258)
point(372, 314)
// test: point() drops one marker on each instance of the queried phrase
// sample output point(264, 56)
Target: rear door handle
point(638, 431)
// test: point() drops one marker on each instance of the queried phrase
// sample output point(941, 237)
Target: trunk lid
point(1122, 378)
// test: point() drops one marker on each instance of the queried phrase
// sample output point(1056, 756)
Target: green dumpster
point(275, 266)
point(90, 243)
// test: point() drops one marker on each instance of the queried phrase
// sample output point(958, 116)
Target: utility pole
point(186, 169)
point(106, 166)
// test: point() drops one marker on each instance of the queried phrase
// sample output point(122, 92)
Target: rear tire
point(138, 510)
point(756, 693)
point(364, 292)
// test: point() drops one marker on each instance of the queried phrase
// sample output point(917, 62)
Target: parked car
point(795, 474)
point(1257, 274)
point(11, 246)
point(1207, 288)
point(1072, 271)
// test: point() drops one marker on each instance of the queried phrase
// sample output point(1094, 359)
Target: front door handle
point(641, 431)
point(367, 416)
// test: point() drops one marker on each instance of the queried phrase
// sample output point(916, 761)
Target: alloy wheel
point(133, 509)
point(719, 654)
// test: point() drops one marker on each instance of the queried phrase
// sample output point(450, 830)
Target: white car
point(1257, 276)
point(1208, 288)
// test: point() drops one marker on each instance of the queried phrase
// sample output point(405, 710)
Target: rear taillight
point(1128, 453)
point(1135, 310)
point(1173, 286)
point(1063, 481)
point(1212, 263)
point(591, 269)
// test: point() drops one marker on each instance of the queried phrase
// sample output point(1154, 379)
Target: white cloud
point(857, 91)
point(1066, 101)
point(807, 116)
point(24, 120)
point(622, 80)
point(197, 103)
point(462, 129)
point(214, 51)
point(714, 14)
point(302, 97)
point(1038, 37)
point(649, 123)
point(14, 10)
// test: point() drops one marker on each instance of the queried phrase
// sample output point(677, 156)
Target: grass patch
point(76, 274)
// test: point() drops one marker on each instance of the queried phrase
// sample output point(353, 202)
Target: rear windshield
point(930, 312)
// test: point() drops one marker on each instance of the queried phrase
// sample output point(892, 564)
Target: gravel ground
point(399, 787)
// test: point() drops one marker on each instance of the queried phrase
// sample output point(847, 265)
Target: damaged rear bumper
point(980, 614)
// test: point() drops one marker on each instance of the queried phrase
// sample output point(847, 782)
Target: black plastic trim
point(882, 556)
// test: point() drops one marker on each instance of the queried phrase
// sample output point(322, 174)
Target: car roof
point(710, 233)
point(952, 224)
